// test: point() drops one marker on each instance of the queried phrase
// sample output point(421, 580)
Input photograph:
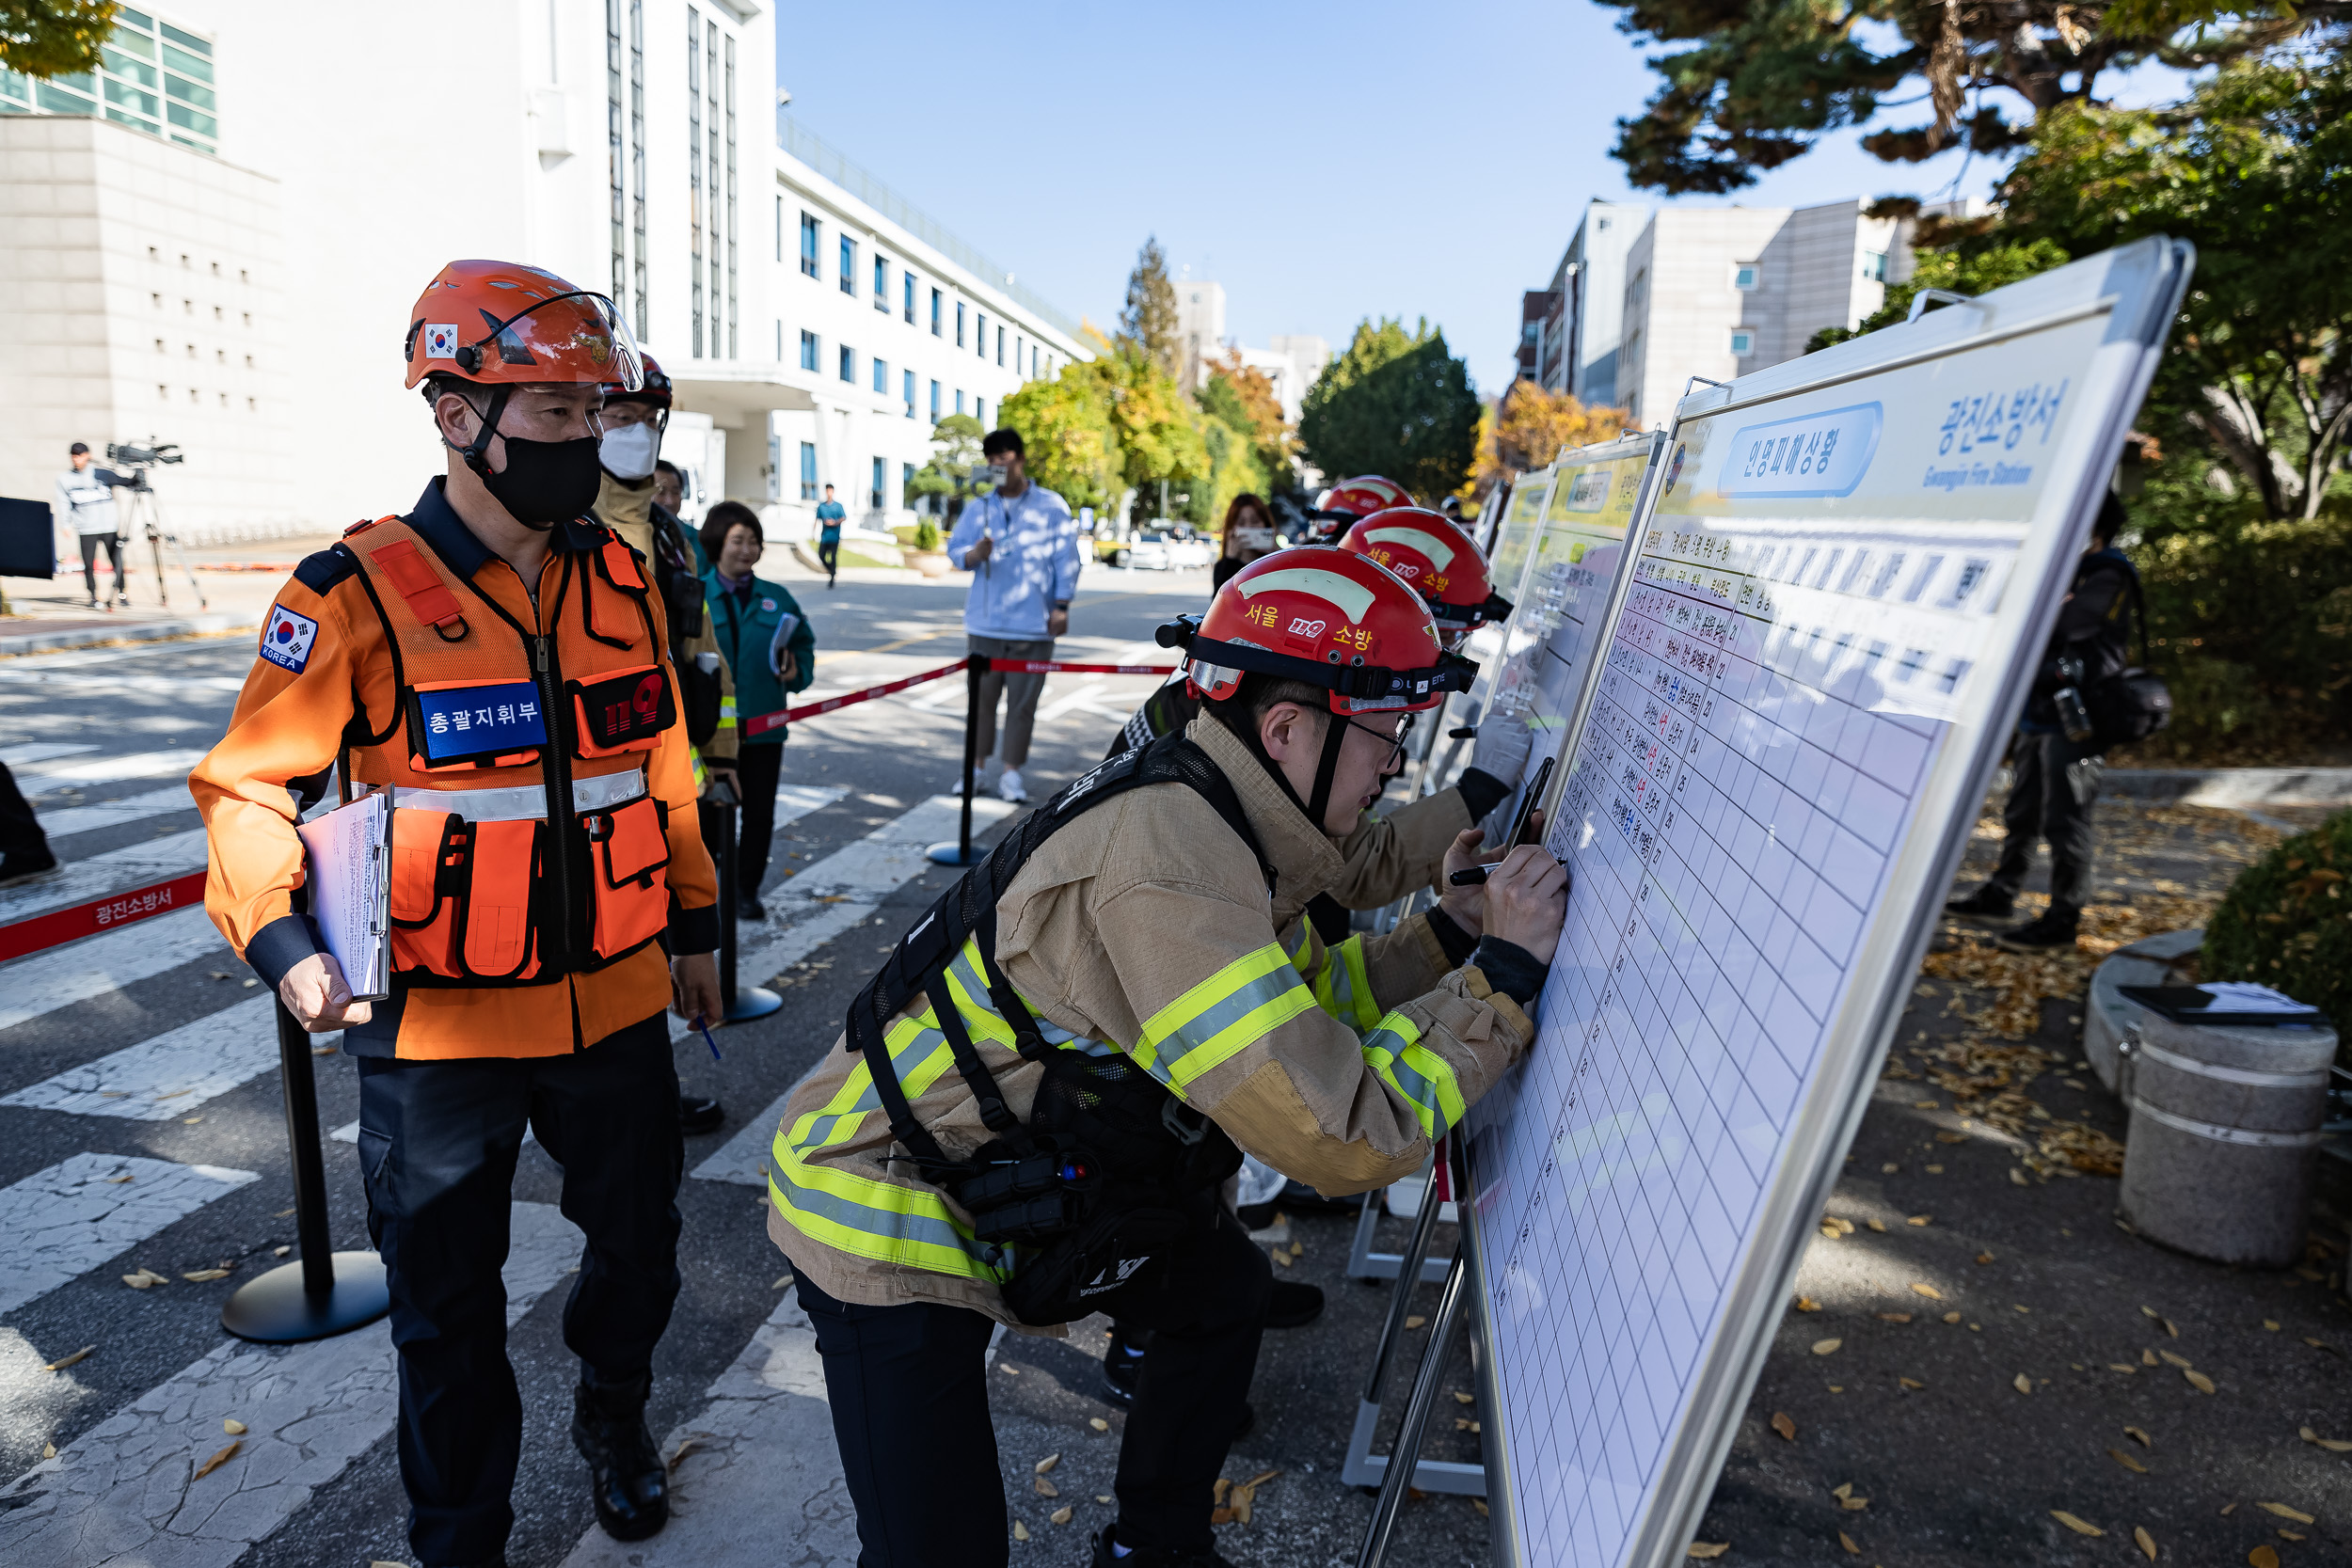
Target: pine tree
point(1149, 321)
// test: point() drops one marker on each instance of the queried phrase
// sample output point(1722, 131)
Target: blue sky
point(1325, 163)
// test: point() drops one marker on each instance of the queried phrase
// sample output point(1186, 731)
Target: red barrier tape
point(1046, 666)
point(762, 723)
point(101, 914)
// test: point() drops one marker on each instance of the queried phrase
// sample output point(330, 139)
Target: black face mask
point(545, 483)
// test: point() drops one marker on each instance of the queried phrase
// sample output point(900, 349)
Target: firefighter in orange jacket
point(495, 660)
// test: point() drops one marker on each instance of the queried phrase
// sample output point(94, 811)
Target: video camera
point(134, 462)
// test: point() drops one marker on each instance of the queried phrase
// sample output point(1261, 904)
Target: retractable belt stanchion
point(718, 809)
point(961, 852)
point(1415, 1472)
point(1361, 1466)
point(326, 1292)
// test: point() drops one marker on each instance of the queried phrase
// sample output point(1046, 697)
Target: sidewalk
point(234, 586)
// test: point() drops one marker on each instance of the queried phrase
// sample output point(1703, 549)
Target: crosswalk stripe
point(105, 770)
point(114, 814)
point(169, 1075)
point(67, 1220)
point(858, 876)
point(37, 751)
point(86, 969)
point(96, 875)
point(762, 1466)
point(126, 1491)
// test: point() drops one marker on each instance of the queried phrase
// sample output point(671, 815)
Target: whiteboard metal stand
point(1427, 1474)
point(2138, 288)
point(1362, 1467)
point(1364, 1263)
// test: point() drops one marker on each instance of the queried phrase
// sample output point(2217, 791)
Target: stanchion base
point(274, 1309)
point(750, 1002)
point(953, 854)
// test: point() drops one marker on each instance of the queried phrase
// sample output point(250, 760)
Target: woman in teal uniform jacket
point(746, 614)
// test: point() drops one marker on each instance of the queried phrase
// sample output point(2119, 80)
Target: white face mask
point(629, 452)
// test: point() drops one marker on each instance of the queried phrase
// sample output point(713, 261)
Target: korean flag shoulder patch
point(287, 637)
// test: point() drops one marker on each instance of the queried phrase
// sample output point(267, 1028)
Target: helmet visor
point(572, 337)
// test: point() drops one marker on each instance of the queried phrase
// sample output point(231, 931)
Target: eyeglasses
point(1394, 740)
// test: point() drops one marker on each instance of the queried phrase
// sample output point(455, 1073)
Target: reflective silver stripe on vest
point(523, 802)
point(2247, 1076)
point(2242, 1135)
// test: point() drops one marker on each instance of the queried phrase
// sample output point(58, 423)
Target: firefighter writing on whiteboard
point(498, 660)
point(1038, 1097)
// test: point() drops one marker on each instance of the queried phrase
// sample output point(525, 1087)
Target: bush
point(925, 535)
point(2287, 922)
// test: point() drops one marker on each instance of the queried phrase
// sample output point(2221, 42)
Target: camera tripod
point(146, 513)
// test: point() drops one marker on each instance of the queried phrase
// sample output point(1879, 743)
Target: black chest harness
point(1111, 1170)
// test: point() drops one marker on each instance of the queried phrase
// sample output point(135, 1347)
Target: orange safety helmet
point(1437, 560)
point(1351, 499)
point(502, 323)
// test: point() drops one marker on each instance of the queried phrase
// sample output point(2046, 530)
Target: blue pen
point(706, 1039)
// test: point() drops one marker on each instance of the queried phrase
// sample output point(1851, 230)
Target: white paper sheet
point(347, 855)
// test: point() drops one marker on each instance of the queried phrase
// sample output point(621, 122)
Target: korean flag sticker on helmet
point(286, 638)
point(440, 341)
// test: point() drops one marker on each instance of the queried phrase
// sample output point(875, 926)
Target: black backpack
point(1088, 1198)
point(2132, 703)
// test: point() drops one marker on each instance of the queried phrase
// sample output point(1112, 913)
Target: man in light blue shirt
point(1020, 545)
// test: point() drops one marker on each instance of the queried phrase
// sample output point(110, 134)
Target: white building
point(1719, 291)
point(1570, 331)
point(1200, 325)
point(214, 242)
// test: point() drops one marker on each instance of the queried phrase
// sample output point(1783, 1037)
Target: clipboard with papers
point(347, 858)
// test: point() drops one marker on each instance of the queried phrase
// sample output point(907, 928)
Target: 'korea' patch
point(440, 341)
point(286, 638)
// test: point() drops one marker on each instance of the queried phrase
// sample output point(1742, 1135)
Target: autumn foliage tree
point(54, 37)
point(1533, 426)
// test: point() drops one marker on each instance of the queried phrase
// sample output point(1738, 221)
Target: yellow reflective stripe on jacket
point(727, 711)
point(1395, 1054)
point(1343, 988)
point(1221, 1017)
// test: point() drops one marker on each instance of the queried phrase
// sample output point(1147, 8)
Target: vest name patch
point(286, 638)
point(466, 722)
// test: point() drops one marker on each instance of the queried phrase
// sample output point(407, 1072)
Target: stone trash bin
point(2224, 1136)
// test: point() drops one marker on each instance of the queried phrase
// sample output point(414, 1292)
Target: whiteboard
point(1567, 582)
point(1845, 574)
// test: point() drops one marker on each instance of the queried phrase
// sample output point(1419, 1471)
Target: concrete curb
point(2231, 787)
point(212, 624)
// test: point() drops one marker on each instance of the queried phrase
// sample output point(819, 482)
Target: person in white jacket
point(1020, 545)
point(86, 499)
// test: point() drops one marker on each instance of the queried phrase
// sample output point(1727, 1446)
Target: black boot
point(1987, 901)
point(699, 1114)
point(1293, 1304)
point(2053, 932)
point(1151, 1557)
point(626, 1476)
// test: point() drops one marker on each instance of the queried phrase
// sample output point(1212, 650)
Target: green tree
point(1161, 435)
point(1394, 402)
point(955, 453)
point(2256, 168)
point(1065, 427)
point(1999, 262)
point(1149, 321)
point(1763, 80)
point(54, 37)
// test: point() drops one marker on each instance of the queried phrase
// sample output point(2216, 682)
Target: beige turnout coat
point(1145, 925)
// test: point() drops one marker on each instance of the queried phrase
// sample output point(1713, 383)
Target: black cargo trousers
point(437, 1146)
point(909, 1390)
point(2055, 783)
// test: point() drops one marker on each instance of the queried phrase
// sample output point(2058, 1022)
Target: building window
point(1742, 342)
point(906, 279)
point(779, 229)
point(906, 389)
point(881, 284)
point(959, 400)
point(877, 483)
point(1032, 362)
point(1000, 345)
point(694, 170)
point(808, 246)
point(734, 321)
point(616, 170)
point(979, 335)
point(151, 76)
point(849, 267)
point(637, 262)
point(882, 374)
point(1874, 265)
point(979, 411)
point(935, 303)
point(779, 342)
point(934, 393)
point(1016, 353)
point(906, 478)
point(849, 366)
point(958, 330)
point(808, 349)
point(808, 471)
point(1743, 276)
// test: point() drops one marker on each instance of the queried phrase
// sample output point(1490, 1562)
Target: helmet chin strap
point(476, 452)
point(1334, 739)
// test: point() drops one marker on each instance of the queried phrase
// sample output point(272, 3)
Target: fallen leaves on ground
point(1416, 1320)
point(1048, 1462)
point(1806, 1304)
point(1708, 1551)
point(203, 1277)
point(686, 1446)
point(223, 1457)
point(2023, 1384)
point(1846, 1500)
point(2079, 1526)
point(1826, 1347)
point(1909, 1382)
point(1788, 1429)
point(1020, 1530)
point(2140, 1437)
point(233, 1427)
point(1061, 1515)
point(2283, 1512)
point(2264, 1556)
point(1894, 1317)
point(1238, 1497)
point(1460, 1398)
point(1920, 1219)
point(1928, 1290)
point(2147, 1543)
point(1848, 1541)
point(2199, 1381)
point(2133, 1466)
point(2333, 1445)
point(1098, 1423)
point(61, 1363)
point(1046, 1488)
